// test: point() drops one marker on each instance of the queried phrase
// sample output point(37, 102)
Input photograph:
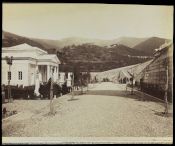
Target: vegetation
point(18, 92)
point(95, 55)
point(44, 90)
point(95, 58)
point(150, 44)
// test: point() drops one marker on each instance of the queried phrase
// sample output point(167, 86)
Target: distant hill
point(96, 58)
point(10, 39)
point(127, 41)
point(148, 46)
point(93, 54)
point(79, 41)
point(130, 41)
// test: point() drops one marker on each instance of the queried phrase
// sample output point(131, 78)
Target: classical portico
point(48, 66)
point(29, 64)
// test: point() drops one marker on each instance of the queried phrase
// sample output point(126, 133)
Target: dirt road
point(105, 111)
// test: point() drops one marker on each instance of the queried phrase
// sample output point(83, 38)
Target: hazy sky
point(103, 21)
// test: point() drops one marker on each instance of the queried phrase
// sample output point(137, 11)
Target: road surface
point(106, 110)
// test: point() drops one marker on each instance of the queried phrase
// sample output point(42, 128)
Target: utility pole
point(81, 86)
point(87, 81)
point(166, 90)
point(9, 62)
point(51, 94)
point(81, 80)
point(88, 72)
point(132, 84)
point(72, 86)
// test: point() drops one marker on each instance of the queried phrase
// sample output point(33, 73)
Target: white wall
point(62, 77)
point(18, 65)
point(31, 74)
point(20, 54)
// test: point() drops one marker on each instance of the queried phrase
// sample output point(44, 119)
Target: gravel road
point(106, 110)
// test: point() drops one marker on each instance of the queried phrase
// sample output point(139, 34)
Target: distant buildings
point(64, 76)
point(28, 64)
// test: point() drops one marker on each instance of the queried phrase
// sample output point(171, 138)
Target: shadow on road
point(162, 114)
point(121, 93)
point(73, 99)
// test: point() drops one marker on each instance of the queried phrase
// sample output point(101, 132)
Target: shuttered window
point(20, 75)
point(9, 75)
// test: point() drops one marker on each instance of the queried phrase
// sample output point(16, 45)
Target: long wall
point(154, 79)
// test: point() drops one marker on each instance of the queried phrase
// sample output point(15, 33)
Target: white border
point(88, 140)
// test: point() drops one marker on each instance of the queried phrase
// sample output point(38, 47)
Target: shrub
point(30, 92)
point(56, 89)
point(64, 89)
point(18, 92)
point(44, 90)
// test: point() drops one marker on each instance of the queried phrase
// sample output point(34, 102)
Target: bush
point(44, 90)
point(27, 92)
point(18, 92)
point(64, 89)
point(56, 89)
point(30, 91)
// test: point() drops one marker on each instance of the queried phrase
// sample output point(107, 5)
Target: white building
point(28, 63)
point(62, 78)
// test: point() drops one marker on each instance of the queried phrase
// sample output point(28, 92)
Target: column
point(37, 82)
point(48, 72)
point(36, 73)
point(56, 73)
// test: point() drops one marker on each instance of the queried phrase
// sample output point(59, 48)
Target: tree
point(76, 72)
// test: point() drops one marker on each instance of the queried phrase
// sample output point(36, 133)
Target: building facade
point(28, 63)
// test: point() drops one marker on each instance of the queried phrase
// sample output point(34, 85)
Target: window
point(20, 75)
point(9, 75)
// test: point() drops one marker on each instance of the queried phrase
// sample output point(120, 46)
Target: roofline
point(43, 60)
point(30, 58)
point(163, 47)
point(24, 49)
point(21, 58)
point(54, 55)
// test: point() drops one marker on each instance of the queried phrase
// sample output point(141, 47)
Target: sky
point(100, 21)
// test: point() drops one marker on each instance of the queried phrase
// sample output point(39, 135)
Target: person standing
point(141, 84)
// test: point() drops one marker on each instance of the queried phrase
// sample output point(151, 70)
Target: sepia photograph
point(86, 73)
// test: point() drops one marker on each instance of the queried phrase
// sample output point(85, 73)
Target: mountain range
point(99, 55)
